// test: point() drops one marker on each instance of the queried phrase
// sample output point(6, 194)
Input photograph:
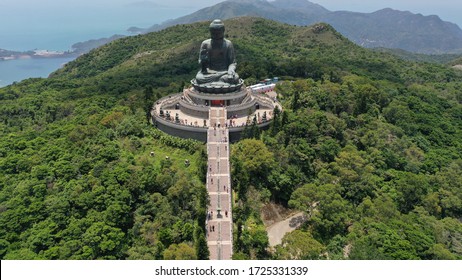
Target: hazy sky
point(23, 22)
point(449, 10)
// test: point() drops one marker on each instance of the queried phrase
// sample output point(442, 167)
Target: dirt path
point(277, 230)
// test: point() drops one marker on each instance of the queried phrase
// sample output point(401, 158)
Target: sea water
point(20, 69)
point(57, 28)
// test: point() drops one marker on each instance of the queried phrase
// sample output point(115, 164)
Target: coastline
point(77, 49)
point(16, 70)
point(36, 54)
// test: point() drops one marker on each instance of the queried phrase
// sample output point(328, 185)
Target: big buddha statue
point(218, 62)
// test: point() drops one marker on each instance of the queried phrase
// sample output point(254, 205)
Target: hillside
point(432, 58)
point(84, 47)
point(386, 28)
point(457, 63)
point(368, 146)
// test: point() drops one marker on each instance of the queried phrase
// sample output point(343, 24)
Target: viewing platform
point(186, 114)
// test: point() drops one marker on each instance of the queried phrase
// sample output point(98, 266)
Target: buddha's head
point(217, 29)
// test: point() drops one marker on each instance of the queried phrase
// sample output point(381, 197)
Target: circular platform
point(187, 114)
point(198, 95)
point(217, 87)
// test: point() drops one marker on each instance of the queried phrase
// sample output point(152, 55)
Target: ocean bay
point(55, 28)
point(18, 69)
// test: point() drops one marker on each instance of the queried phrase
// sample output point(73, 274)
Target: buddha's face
point(217, 33)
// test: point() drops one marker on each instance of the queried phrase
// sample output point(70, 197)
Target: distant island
point(77, 49)
point(12, 55)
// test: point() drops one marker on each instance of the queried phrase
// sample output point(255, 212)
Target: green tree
point(383, 242)
point(201, 247)
point(103, 242)
point(253, 160)
point(327, 212)
point(180, 251)
point(354, 174)
point(299, 245)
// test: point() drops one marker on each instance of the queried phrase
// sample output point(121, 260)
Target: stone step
point(220, 240)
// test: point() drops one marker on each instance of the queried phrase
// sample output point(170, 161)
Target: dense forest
point(368, 145)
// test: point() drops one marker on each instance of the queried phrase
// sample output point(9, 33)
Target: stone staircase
point(219, 214)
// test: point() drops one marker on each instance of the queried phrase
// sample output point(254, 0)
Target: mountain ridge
point(385, 28)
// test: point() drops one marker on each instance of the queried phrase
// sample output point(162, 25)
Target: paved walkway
point(277, 230)
point(219, 214)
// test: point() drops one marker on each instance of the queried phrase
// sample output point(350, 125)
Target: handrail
point(201, 108)
point(179, 125)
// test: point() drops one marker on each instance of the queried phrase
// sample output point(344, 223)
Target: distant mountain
point(86, 46)
point(385, 28)
point(399, 30)
point(296, 12)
